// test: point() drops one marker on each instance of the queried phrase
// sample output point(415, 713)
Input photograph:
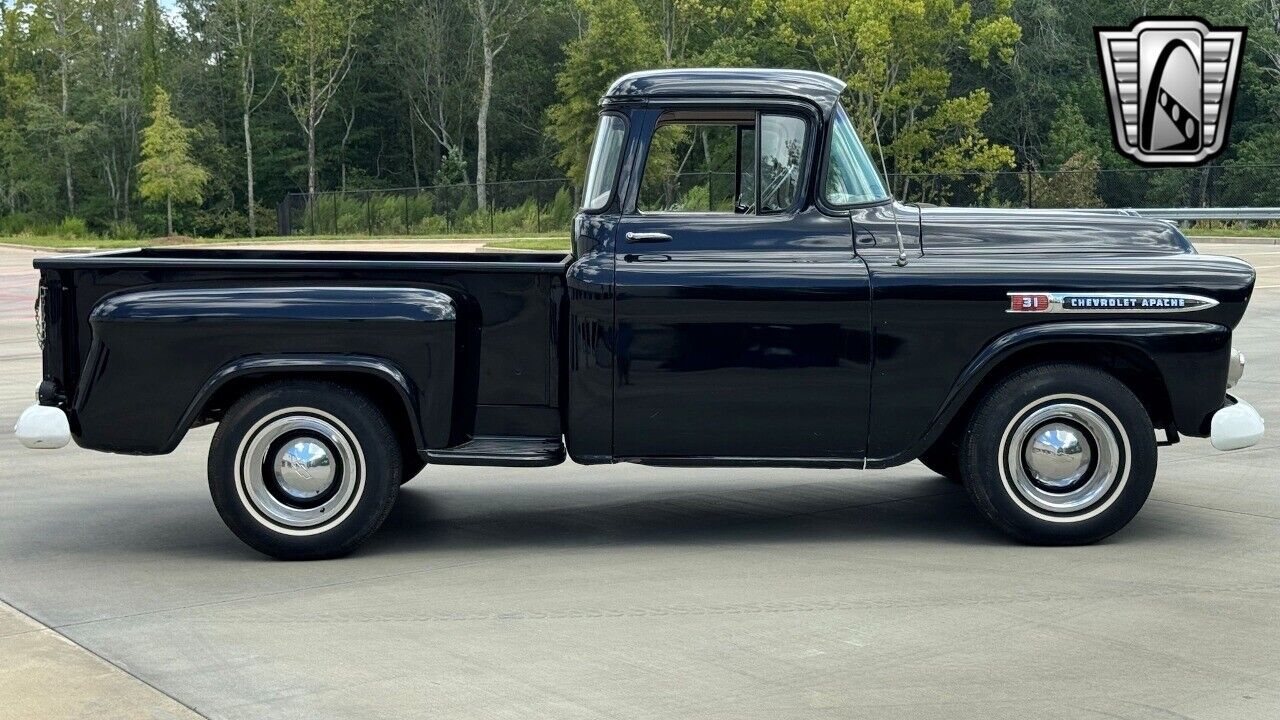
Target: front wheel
point(1059, 455)
point(303, 470)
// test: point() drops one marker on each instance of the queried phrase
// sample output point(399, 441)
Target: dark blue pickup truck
point(786, 312)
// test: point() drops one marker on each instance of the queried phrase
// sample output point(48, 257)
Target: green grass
point(54, 242)
point(1222, 231)
point(557, 243)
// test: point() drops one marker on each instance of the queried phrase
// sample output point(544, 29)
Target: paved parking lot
point(633, 592)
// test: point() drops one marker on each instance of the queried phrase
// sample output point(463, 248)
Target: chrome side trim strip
point(1115, 302)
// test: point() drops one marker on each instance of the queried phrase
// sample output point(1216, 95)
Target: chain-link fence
point(537, 207)
point(520, 207)
point(1237, 185)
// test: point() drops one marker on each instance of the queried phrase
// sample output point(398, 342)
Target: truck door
point(742, 313)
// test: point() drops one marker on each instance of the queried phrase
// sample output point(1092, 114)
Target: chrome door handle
point(648, 237)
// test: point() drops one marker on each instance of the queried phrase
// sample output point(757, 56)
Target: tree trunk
point(482, 118)
point(413, 151)
point(248, 166)
point(168, 214)
point(311, 161)
point(66, 141)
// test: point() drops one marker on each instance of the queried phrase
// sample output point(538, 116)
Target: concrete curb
point(47, 675)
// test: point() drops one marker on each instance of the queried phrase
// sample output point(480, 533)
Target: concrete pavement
point(635, 592)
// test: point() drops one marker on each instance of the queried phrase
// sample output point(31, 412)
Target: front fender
point(1191, 358)
point(157, 354)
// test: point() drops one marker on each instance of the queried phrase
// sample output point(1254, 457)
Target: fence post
point(368, 210)
point(491, 202)
point(406, 213)
point(283, 225)
point(1030, 198)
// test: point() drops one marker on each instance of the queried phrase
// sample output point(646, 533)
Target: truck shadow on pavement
point(928, 511)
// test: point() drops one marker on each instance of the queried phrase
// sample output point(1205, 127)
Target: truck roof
point(822, 90)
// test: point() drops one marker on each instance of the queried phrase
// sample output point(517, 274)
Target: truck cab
point(742, 290)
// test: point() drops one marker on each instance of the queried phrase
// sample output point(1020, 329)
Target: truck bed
point(122, 345)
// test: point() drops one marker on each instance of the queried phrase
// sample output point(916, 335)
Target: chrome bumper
point(1236, 426)
point(41, 427)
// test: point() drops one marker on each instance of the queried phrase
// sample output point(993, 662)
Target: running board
point(502, 451)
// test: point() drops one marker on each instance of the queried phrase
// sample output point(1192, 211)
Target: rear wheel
point(304, 469)
point(1059, 455)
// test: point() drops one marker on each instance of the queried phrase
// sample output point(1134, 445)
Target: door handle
point(648, 237)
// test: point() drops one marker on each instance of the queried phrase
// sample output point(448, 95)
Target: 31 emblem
point(1170, 83)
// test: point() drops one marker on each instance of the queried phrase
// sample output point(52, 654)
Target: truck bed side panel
point(504, 352)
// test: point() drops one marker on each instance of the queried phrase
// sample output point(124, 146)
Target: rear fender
point(160, 355)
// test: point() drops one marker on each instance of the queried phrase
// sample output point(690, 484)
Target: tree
point(896, 57)
point(167, 171)
point(66, 17)
point(242, 25)
point(617, 40)
point(150, 51)
point(1073, 185)
point(495, 20)
point(318, 46)
point(433, 55)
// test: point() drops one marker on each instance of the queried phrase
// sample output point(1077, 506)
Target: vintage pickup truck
point(796, 316)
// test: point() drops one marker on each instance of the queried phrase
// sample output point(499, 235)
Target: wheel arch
point(1142, 355)
point(380, 380)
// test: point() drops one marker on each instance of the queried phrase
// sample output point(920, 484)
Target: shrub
point(561, 210)
point(73, 227)
point(1075, 186)
point(124, 230)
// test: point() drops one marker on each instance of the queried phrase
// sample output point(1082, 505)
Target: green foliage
point(124, 230)
point(897, 58)
point(386, 93)
point(1070, 136)
point(72, 227)
point(1073, 185)
point(168, 173)
point(618, 40)
point(1243, 182)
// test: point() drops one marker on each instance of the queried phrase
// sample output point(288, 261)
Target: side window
point(781, 158)
point(691, 167)
point(712, 165)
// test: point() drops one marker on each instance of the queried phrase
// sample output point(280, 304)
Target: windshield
point(606, 151)
point(851, 178)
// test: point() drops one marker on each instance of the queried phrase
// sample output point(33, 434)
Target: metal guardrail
point(1241, 213)
point(1244, 213)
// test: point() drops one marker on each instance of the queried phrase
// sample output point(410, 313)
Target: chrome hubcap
point(304, 468)
point(299, 471)
point(1057, 456)
point(1063, 457)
